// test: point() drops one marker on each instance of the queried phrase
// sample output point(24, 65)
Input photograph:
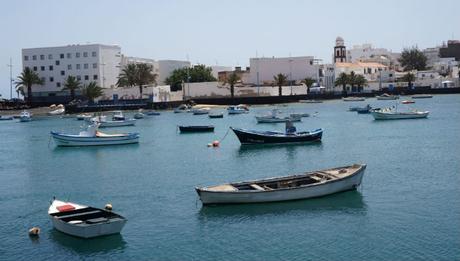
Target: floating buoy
point(209, 144)
point(33, 232)
point(108, 206)
point(215, 143)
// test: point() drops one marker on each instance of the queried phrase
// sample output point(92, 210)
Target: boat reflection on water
point(288, 147)
point(91, 246)
point(349, 202)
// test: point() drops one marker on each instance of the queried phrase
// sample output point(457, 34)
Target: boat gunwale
point(279, 134)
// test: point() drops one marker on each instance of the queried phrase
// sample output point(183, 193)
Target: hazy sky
point(225, 32)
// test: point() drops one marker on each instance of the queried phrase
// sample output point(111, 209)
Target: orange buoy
point(215, 143)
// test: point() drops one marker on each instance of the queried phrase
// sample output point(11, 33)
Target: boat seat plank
point(80, 214)
point(314, 177)
point(97, 220)
point(328, 174)
point(257, 187)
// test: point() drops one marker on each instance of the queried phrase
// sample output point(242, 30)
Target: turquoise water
point(408, 207)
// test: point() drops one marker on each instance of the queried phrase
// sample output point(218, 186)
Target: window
point(78, 78)
point(69, 55)
point(43, 79)
point(58, 84)
point(86, 77)
point(94, 54)
point(50, 56)
point(57, 62)
point(62, 72)
point(51, 79)
point(51, 67)
point(69, 67)
point(85, 66)
point(95, 77)
point(26, 58)
point(34, 57)
point(42, 68)
point(94, 65)
point(27, 68)
point(42, 57)
point(78, 66)
point(77, 55)
point(61, 56)
point(35, 68)
point(85, 54)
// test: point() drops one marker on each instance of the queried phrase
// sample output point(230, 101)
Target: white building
point(89, 62)
point(295, 68)
point(166, 67)
point(125, 60)
point(367, 53)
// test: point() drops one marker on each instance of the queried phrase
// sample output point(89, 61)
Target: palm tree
point(280, 80)
point(409, 78)
point(352, 80)
point(127, 77)
point(360, 81)
point(92, 91)
point(342, 80)
point(71, 84)
point(232, 79)
point(139, 74)
point(26, 80)
point(145, 76)
point(308, 82)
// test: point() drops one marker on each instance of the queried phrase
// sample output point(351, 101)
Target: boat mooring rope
point(225, 136)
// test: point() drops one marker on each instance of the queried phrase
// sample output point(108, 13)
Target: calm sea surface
point(408, 207)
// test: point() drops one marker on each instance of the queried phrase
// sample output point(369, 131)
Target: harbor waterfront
point(407, 207)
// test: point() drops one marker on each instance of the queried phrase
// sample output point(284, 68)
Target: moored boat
point(238, 109)
point(152, 113)
point(273, 117)
point(6, 118)
point(310, 101)
point(251, 137)
point(182, 108)
point(83, 116)
point(59, 111)
point(407, 102)
point(139, 114)
point(392, 114)
point(364, 110)
point(104, 123)
point(84, 221)
point(92, 137)
point(25, 116)
point(387, 96)
point(196, 128)
point(216, 115)
point(200, 111)
point(118, 116)
point(302, 186)
point(422, 96)
point(353, 99)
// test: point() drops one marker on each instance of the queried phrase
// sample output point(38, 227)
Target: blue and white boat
point(92, 137)
point(25, 116)
point(238, 109)
point(103, 122)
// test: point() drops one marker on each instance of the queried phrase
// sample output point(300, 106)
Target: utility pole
point(11, 77)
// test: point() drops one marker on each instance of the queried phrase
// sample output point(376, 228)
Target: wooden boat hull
point(73, 140)
point(188, 129)
point(319, 189)
point(262, 119)
point(86, 222)
point(248, 137)
point(398, 115)
point(216, 116)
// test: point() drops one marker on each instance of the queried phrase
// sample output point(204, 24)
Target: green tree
point(360, 81)
point(197, 73)
point(409, 78)
point(308, 82)
point(412, 59)
point(71, 84)
point(352, 80)
point(127, 77)
point(92, 91)
point(280, 80)
point(139, 74)
point(342, 80)
point(232, 79)
point(26, 80)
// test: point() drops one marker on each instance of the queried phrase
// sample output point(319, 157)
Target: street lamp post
point(290, 73)
point(11, 77)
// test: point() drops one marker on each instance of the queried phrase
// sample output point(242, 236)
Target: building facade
point(367, 53)
point(262, 70)
point(166, 67)
point(452, 49)
point(88, 63)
